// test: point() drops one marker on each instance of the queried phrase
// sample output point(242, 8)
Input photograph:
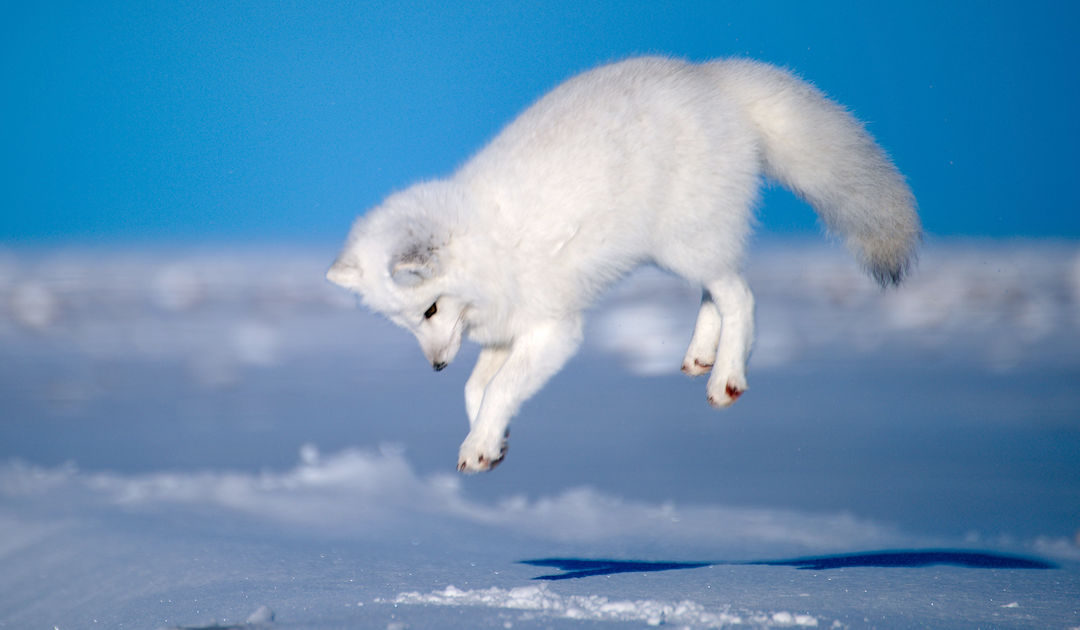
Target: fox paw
point(479, 454)
point(724, 395)
point(695, 367)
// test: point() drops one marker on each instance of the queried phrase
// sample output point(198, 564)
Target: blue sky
point(227, 121)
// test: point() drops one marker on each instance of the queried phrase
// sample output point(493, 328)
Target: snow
point(379, 492)
point(598, 608)
point(217, 438)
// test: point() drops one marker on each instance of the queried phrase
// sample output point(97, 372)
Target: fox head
point(395, 259)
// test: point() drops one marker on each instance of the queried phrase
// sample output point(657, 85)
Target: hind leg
point(702, 351)
point(734, 302)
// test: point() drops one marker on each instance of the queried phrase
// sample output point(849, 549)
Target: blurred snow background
point(223, 311)
point(190, 434)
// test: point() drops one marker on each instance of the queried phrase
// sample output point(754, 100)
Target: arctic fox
point(649, 160)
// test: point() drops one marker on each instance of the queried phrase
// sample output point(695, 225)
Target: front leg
point(530, 360)
point(487, 364)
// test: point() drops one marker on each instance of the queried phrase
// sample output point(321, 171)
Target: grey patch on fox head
point(418, 262)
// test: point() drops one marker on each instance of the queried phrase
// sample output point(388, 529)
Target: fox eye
point(431, 311)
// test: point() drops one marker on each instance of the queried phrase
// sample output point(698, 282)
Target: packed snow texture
point(193, 435)
point(597, 608)
point(359, 540)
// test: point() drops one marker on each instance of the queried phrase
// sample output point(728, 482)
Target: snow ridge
point(380, 493)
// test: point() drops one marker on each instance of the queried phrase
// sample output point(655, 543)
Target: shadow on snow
point(583, 567)
point(579, 567)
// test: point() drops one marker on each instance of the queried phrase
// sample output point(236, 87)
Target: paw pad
point(484, 462)
point(731, 394)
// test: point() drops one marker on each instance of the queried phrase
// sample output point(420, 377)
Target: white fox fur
point(649, 160)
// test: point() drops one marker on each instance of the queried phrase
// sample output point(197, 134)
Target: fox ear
point(345, 274)
point(416, 265)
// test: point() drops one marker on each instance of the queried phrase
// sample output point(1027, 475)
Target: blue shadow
point(912, 559)
point(582, 567)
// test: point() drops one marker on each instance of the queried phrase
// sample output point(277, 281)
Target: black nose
point(439, 366)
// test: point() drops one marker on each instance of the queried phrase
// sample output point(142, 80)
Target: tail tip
point(890, 276)
point(889, 260)
point(891, 271)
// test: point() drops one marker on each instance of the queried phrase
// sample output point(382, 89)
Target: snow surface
point(207, 438)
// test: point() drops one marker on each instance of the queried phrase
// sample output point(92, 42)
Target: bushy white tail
point(819, 151)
